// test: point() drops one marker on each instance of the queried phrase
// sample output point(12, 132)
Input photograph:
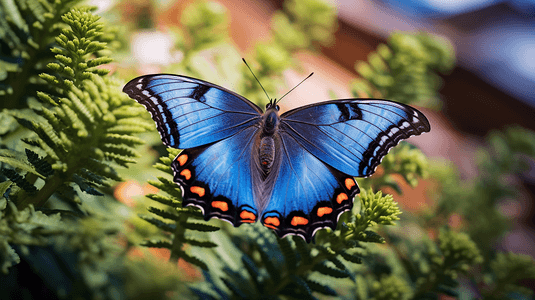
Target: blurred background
point(491, 87)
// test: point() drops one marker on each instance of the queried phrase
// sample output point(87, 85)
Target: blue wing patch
point(353, 135)
point(307, 194)
point(217, 178)
point(189, 112)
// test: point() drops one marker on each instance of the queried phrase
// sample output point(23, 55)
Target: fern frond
point(169, 201)
point(329, 271)
point(160, 224)
point(288, 252)
point(320, 288)
point(357, 259)
point(158, 244)
point(301, 285)
point(200, 227)
point(197, 243)
point(167, 186)
point(27, 28)
point(163, 214)
point(405, 69)
point(254, 272)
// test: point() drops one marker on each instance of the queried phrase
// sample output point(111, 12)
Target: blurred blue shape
point(496, 43)
point(446, 8)
point(507, 59)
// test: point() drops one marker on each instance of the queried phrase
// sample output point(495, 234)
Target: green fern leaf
point(85, 186)
point(351, 257)
point(253, 271)
point(158, 244)
point(200, 227)
point(42, 166)
point(320, 288)
point(288, 252)
point(193, 260)
point(19, 181)
point(163, 214)
point(15, 160)
point(326, 270)
point(169, 227)
point(234, 289)
point(197, 243)
point(4, 186)
point(303, 250)
point(167, 186)
point(301, 284)
point(271, 268)
point(165, 200)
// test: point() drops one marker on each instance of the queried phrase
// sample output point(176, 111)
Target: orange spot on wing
point(272, 222)
point(341, 198)
point(296, 221)
point(247, 216)
point(222, 205)
point(324, 211)
point(350, 182)
point(186, 173)
point(197, 190)
point(182, 159)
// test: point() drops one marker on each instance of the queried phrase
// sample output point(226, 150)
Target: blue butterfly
point(293, 171)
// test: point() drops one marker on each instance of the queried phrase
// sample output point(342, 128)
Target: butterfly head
point(272, 105)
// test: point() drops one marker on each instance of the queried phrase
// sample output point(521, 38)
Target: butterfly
point(294, 172)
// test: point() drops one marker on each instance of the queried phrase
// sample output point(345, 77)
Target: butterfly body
point(293, 172)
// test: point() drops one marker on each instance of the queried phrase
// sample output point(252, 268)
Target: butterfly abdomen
point(266, 153)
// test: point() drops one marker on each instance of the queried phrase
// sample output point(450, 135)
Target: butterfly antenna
point(257, 80)
point(294, 87)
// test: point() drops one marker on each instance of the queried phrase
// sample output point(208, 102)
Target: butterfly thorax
point(266, 150)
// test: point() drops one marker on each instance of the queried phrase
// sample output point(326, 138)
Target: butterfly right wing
point(218, 179)
point(190, 112)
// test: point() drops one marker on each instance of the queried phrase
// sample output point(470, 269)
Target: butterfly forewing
point(353, 135)
point(189, 112)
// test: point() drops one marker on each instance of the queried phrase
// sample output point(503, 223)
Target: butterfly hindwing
point(353, 135)
point(217, 178)
point(190, 112)
point(307, 194)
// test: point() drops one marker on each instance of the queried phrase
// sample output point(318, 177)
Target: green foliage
point(204, 24)
point(456, 253)
point(390, 288)
point(86, 130)
point(181, 224)
point(404, 70)
point(303, 25)
point(73, 141)
point(508, 271)
point(23, 227)
point(27, 28)
point(506, 154)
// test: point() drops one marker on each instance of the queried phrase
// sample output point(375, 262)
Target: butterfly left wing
point(190, 112)
point(217, 178)
point(353, 135)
